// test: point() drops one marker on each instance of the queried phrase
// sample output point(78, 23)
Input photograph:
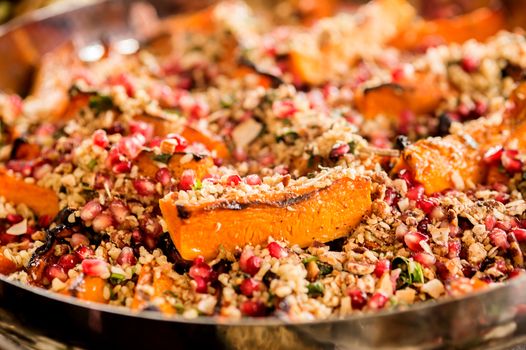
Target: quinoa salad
point(327, 161)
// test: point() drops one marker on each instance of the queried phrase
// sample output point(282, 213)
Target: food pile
point(351, 160)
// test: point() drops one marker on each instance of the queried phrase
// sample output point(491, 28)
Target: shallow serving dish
point(494, 318)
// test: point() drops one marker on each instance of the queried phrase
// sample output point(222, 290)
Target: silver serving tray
point(30, 317)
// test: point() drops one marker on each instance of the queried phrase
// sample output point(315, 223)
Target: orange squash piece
point(478, 25)
point(161, 284)
point(299, 215)
point(42, 200)
point(6, 265)
point(421, 95)
point(86, 288)
point(212, 143)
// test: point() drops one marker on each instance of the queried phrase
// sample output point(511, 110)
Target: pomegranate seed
point(144, 187)
point(415, 193)
point(78, 239)
point(84, 252)
point(253, 265)
point(427, 205)
point(377, 301)
point(100, 139)
point(253, 308)
point(413, 239)
point(391, 197)
point(101, 181)
point(425, 259)
point(253, 180)
point(520, 234)
point(150, 226)
point(56, 271)
point(284, 109)
point(201, 285)
point(490, 222)
point(469, 64)
point(131, 146)
point(102, 222)
point(143, 128)
point(91, 210)
point(503, 225)
point(246, 254)
point(68, 261)
point(163, 176)
point(405, 120)
point(122, 167)
point(249, 286)
point(338, 151)
point(44, 221)
point(6, 238)
point(499, 238)
point(94, 267)
point(233, 180)
point(124, 81)
point(126, 257)
point(382, 266)
point(41, 170)
point(181, 142)
point(201, 270)
point(406, 176)
point(510, 161)
point(453, 247)
point(119, 210)
point(277, 251)
point(358, 298)
point(24, 167)
point(187, 181)
point(14, 218)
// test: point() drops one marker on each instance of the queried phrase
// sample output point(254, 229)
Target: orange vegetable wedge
point(478, 25)
point(42, 200)
point(86, 288)
point(7, 266)
point(144, 293)
point(299, 214)
point(421, 95)
point(315, 62)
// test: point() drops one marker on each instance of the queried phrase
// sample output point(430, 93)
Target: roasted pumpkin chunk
point(145, 294)
point(298, 214)
point(42, 200)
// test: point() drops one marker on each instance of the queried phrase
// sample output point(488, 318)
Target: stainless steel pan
point(492, 319)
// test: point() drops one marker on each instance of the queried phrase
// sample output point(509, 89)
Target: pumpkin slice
point(7, 266)
point(152, 286)
point(299, 214)
point(478, 25)
point(42, 200)
point(86, 288)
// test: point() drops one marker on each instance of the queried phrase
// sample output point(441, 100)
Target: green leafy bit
point(288, 138)
point(411, 271)
point(352, 147)
point(100, 103)
point(197, 185)
point(162, 158)
point(315, 289)
point(116, 278)
point(92, 164)
point(309, 259)
point(324, 268)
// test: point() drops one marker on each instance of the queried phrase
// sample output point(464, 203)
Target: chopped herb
point(412, 271)
point(197, 185)
point(92, 164)
point(89, 193)
point(227, 101)
point(59, 133)
point(179, 308)
point(162, 158)
point(352, 147)
point(100, 103)
point(288, 138)
point(116, 278)
point(325, 268)
point(315, 289)
point(309, 259)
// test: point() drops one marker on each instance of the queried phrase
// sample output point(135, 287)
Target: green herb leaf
point(100, 103)
point(116, 278)
point(197, 185)
point(92, 164)
point(325, 268)
point(315, 289)
point(411, 271)
point(309, 259)
point(162, 158)
point(352, 147)
point(288, 138)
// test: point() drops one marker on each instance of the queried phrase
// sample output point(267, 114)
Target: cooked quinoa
point(218, 117)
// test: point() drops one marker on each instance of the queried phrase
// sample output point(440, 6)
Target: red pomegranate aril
point(338, 151)
point(382, 266)
point(277, 251)
point(453, 247)
point(143, 128)
point(415, 193)
point(503, 225)
point(407, 177)
point(199, 260)
point(124, 81)
point(249, 286)
point(126, 257)
point(56, 271)
point(201, 270)
point(68, 261)
point(131, 146)
point(358, 298)
point(520, 234)
point(413, 239)
point(181, 142)
point(201, 285)
point(84, 252)
point(493, 155)
point(101, 181)
point(78, 239)
point(499, 238)
point(14, 218)
point(94, 267)
point(100, 139)
point(510, 161)
point(390, 197)
point(427, 205)
point(490, 222)
point(119, 210)
point(187, 181)
point(122, 167)
point(6, 238)
point(469, 64)
point(163, 176)
point(91, 210)
point(377, 301)
point(102, 222)
point(144, 187)
point(284, 109)
point(44, 221)
point(24, 167)
point(253, 180)
point(150, 226)
point(233, 180)
point(246, 254)
point(253, 265)
point(253, 308)
point(425, 259)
